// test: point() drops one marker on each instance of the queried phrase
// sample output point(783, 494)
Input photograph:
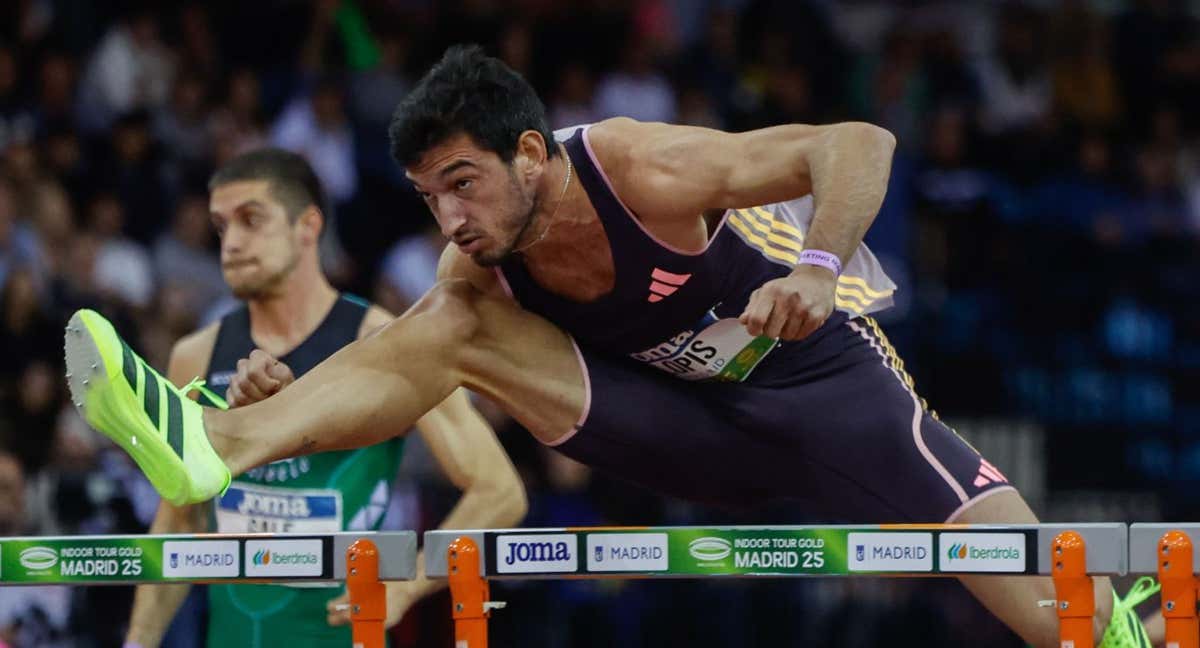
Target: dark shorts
point(830, 424)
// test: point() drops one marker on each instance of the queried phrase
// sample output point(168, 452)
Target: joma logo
point(537, 552)
point(549, 553)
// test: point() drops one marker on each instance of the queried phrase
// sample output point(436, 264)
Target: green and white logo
point(39, 558)
point(710, 549)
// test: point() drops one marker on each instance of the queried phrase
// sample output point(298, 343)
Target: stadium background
point(1042, 221)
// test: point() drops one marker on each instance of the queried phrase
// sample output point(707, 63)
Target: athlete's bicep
point(670, 171)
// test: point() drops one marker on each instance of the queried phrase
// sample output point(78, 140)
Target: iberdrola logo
point(957, 550)
point(263, 557)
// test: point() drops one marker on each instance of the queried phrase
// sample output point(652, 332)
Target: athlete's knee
point(451, 310)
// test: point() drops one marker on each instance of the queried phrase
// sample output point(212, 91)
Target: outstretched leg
point(371, 390)
point(377, 387)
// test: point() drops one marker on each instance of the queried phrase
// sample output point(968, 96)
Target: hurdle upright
point(1168, 551)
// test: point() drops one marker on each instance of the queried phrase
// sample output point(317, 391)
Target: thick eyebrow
point(455, 166)
point(450, 168)
point(250, 203)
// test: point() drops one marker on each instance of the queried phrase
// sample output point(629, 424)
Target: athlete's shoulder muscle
point(653, 168)
point(673, 172)
point(190, 355)
point(456, 265)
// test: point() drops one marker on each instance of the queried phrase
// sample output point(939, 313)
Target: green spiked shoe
point(1125, 630)
point(132, 404)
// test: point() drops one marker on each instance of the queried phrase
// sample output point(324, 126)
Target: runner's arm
point(668, 175)
point(675, 173)
point(154, 606)
point(493, 496)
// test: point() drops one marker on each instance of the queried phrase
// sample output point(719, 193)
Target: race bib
point(252, 508)
point(713, 349)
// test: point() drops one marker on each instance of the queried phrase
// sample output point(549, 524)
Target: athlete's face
point(481, 203)
point(260, 246)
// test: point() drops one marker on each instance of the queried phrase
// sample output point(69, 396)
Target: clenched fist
point(791, 307)
point(257, 377)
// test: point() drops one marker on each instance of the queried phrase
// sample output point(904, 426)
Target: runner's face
point(479, 201)
point(258, 241)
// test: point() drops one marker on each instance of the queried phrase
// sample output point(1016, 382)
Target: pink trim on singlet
point(599, 169)
point(587, 399)
point(503, 281)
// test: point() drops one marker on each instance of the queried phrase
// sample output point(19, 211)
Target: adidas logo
point(664, 284)
point(988, 474)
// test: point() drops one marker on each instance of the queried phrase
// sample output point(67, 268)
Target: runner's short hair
point(473, 93)
point(292, 179)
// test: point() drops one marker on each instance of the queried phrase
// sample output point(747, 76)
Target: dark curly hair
point(473, 93)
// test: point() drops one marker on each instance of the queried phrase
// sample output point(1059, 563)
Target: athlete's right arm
point(154, 606)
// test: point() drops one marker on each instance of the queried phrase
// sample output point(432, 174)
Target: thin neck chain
point(550, 221)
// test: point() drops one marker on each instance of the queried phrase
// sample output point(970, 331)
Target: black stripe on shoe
point(175, 422)
point(150, 398)
point(129, 366)
point(1133, 622)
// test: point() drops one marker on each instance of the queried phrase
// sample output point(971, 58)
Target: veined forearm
point(849, 180)
point(478, 508)
point(154, 606)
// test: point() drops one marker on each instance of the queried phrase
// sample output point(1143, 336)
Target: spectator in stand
point(890, 88)
point(1086, 93)
point(315, 125)
point(122, 269)
point(18, 243)
point(1085, 195)
point(56, 92)
point(133, 174)
point(1015, 81)
point(131, 69)
point(237, 124)
point(573, 101)
point(181, 129)
point(184, 257)
point(638, 88)
point(27, 332)
point(36, 615)
point(18, 122)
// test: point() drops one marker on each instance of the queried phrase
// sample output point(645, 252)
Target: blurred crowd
point(1043, 222)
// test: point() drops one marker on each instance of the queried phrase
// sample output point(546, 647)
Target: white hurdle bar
point(362, 559)
point(1069, 553)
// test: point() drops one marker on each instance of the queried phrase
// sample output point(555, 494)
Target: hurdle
point(362, 559)
point(1167, 550)
point(1070, 554)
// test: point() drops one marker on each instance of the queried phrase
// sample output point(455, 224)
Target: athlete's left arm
point(467, 449)
point(677, 172)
